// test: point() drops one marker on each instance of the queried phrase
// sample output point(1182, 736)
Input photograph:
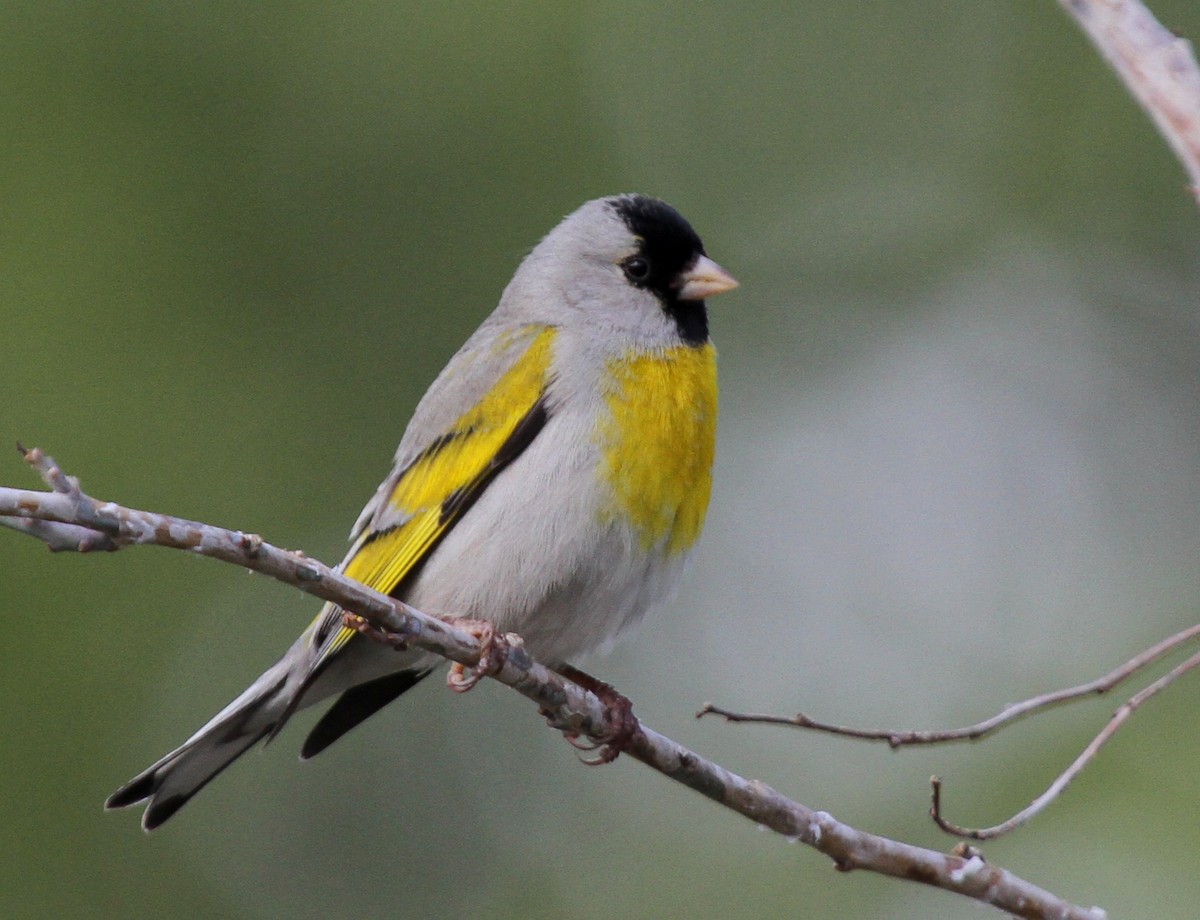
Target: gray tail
point(257, 714)
point(168, 784)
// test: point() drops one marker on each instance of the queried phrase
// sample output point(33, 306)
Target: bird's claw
point(373, 632)
point(623, 724)
point(493, 652)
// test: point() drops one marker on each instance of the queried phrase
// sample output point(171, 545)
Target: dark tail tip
point(136, 790)
point(160, 810)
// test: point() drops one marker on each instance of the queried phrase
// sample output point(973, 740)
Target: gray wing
point(475, 368)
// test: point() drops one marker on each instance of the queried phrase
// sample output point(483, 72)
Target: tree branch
point(1157, 66)
point(73, 515)
point(1007, 716)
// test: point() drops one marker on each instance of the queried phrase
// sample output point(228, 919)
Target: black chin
point(691, 319)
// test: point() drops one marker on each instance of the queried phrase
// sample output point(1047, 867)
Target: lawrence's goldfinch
point(553, 480)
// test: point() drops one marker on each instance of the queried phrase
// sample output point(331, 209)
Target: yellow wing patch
point(659, 443)
point(442, 481)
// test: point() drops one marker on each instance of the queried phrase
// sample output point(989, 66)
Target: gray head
point(629, 262)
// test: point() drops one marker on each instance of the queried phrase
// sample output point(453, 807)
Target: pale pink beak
point(704, 279)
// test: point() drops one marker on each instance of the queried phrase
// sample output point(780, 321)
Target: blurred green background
point(959, 460)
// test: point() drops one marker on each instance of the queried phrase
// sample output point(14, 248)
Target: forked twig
point(1007, 716)
point(1123, 712)
point(59, 537)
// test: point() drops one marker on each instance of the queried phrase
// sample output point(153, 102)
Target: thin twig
point(1003, 718)
point(51, 473)
point(1011, 713)
point(57, 536)
point(568, 706)
point(1157, 66)
point(1127, 709)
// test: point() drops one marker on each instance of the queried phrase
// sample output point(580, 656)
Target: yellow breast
point(658, 443)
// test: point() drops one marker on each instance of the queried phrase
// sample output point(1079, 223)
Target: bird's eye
point(637, 269)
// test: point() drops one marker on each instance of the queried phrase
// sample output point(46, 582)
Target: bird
point(553, 481)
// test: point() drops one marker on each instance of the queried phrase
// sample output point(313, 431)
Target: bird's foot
point(382, 636)
point(493, 652)
point(623, 724)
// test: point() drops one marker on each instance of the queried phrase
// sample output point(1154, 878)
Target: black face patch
point(667, 245)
